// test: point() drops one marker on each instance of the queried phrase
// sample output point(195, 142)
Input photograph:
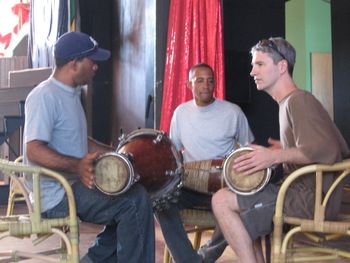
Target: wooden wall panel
point(322, 80)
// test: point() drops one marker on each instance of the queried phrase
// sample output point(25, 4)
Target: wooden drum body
point(155, 160)
point(203, 176)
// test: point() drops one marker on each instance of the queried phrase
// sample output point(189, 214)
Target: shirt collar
point(74, 91)
point(204, 108)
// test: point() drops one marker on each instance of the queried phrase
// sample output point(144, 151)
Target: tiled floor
point(87, 236)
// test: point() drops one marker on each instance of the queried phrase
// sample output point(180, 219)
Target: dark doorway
point(245, 23)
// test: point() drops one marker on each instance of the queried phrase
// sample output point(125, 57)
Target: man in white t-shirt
point(204, 128)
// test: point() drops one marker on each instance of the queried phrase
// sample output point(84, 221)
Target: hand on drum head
point(258, 159)
point(86, 169)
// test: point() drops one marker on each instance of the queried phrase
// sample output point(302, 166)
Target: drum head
point(240, 183)
point(113, 174)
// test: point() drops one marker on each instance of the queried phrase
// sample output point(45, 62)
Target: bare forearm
point(39, 153)
point(291, 155)
point(95, 146)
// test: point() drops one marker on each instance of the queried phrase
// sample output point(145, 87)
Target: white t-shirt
point(210, 132)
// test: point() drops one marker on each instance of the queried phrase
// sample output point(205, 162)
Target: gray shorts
point(257, 211)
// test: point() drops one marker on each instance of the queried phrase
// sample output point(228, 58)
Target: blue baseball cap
point(75, 45)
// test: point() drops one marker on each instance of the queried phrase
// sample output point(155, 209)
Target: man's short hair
point(199, 65)
point(278, 48)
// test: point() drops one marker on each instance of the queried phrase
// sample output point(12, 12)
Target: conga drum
point(156, 161)
point(204, 176)
point(240, 183)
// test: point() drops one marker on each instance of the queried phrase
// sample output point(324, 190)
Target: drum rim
point(134, 133)
point(131, 179)
point(228, 182)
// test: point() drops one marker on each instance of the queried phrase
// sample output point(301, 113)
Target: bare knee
point(219, 198)
point(224, 200)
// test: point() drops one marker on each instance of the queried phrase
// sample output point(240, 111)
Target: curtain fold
point(195, 34)
point(49, 19)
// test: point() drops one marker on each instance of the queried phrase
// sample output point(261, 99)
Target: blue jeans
point(128, 235)
point(173, 230)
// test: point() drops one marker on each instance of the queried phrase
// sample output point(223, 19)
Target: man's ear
point(74, 63)
point(189, 85)
point(283, 66)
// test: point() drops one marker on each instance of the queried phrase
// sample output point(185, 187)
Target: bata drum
point(204, 176)
point(155, 161)
point(240, 183)
point(146, 156)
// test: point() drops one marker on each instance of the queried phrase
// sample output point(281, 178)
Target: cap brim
point(100, 55)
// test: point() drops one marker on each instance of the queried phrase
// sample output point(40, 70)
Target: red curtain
point(194, 35)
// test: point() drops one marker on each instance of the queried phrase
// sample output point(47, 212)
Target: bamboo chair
point(32, 224)
point(17, 191)
point(195, 221)
point(318, 229)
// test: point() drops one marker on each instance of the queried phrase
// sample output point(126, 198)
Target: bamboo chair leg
point(197, 238)
point(10, 204)
point(13, 198)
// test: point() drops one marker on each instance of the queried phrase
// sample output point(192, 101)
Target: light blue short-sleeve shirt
point(54, 114)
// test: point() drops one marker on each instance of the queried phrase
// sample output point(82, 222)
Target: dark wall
point(162, 13)
point(340, 16)
point(245, 23)
point(96, 20)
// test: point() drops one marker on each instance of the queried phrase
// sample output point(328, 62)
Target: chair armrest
point(11, 168)
point(34, 223)
point(318, 169)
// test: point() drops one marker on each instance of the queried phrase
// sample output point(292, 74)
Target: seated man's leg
point(172, 227)
point(237, 217)
point(211, 251)
point(106, 239)
point(104, 247)
point(175, 235)
point(214, 248)
point(129, 224)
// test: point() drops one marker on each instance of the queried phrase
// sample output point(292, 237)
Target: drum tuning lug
point(219, 168)
point(170, 173)
point(159, 138)
point(121, 136)
point(130, 157)
point(179, 170)
point(137, 177)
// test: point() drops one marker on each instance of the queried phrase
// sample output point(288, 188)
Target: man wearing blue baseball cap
point(55, 136)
